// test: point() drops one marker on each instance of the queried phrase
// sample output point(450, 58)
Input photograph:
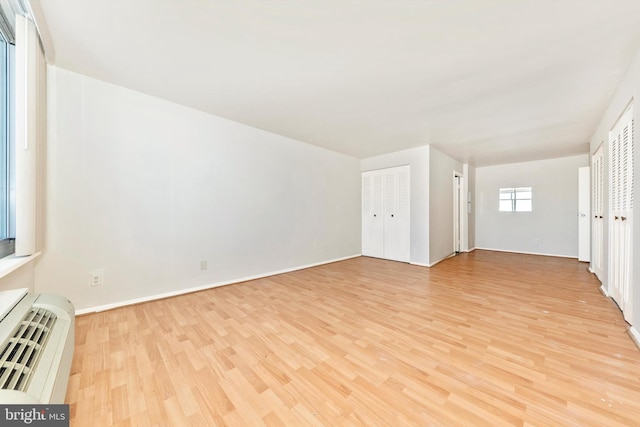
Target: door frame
point(458, 211)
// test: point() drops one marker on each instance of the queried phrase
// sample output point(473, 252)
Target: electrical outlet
point(203, 264)
point(96, 278)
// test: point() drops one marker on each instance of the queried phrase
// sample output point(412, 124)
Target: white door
point(372, 215)
point(584, 214)
point(597, 212)
point(385, 213)
point(396, 215)
point(621, 213)
point(457, 212)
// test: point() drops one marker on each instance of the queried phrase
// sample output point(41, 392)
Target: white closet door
point(385, 213)
point(621, 213)
point(396, 214)
point(597, 209)
point(372, 215)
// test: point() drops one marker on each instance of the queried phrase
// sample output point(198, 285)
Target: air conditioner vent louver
point(21, 352)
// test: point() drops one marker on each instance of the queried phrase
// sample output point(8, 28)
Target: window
point(7, 157)
point(516, 199)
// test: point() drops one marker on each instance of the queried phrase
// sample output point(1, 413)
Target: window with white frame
point(518, 199)
point(7, 153)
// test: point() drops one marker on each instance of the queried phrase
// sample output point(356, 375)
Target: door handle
point(615, 218)
point(624, 218)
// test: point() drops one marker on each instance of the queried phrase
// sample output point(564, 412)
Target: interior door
point(597, 208)
point(584, 216)
point(396, 215)
point(372, 215)
point(621, 213)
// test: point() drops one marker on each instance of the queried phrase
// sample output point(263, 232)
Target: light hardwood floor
point(484, 338)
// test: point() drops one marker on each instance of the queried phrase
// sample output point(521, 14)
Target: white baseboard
point(471, 250)
point(527, 253)
point(438, 261)
point(419, 264)
point(203, 287)
point(442, 259)
point(604, 291)
point(635, 336)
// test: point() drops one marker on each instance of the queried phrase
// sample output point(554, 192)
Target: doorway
point(458, 204)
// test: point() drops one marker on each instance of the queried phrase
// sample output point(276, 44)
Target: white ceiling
point(486, 81)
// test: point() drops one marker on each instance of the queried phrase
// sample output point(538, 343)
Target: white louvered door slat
point(597, 243)
point(621, 146)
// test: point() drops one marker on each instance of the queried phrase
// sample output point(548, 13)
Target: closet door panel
point(396, 227)
point(621, 149)
point(372, 215)
point(385, 213)
point(597, 221)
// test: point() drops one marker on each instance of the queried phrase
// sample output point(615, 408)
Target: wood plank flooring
point(484, 338)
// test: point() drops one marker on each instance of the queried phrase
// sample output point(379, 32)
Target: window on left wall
point(7, 150)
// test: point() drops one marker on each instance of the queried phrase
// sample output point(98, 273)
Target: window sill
point(12, 263)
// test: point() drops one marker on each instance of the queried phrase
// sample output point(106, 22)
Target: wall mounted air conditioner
point(36, 347)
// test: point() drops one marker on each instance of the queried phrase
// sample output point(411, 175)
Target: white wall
point(431, 199)
point(441, 169)
point(23, 277)
point(418, 159)
point(551, 228)
point(628, 90)
point(146, 189)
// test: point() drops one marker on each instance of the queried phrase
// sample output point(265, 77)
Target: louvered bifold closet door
point(621, 144)
point(372, 215)
point(385, 213)
point(396, 219)
point(597, 208)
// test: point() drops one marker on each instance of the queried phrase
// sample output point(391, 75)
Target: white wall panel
point(551, 228)
point(146, 189)
point(441, 215)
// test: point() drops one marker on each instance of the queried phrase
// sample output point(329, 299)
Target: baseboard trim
point(435, 262)
point(419, 264)
point(527, 253)
point(635, 336)
point(604, 291)
point(442, 259)
point(164, 295)
point(438, 261)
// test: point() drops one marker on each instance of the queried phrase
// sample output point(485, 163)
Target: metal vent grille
point(20, 354)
